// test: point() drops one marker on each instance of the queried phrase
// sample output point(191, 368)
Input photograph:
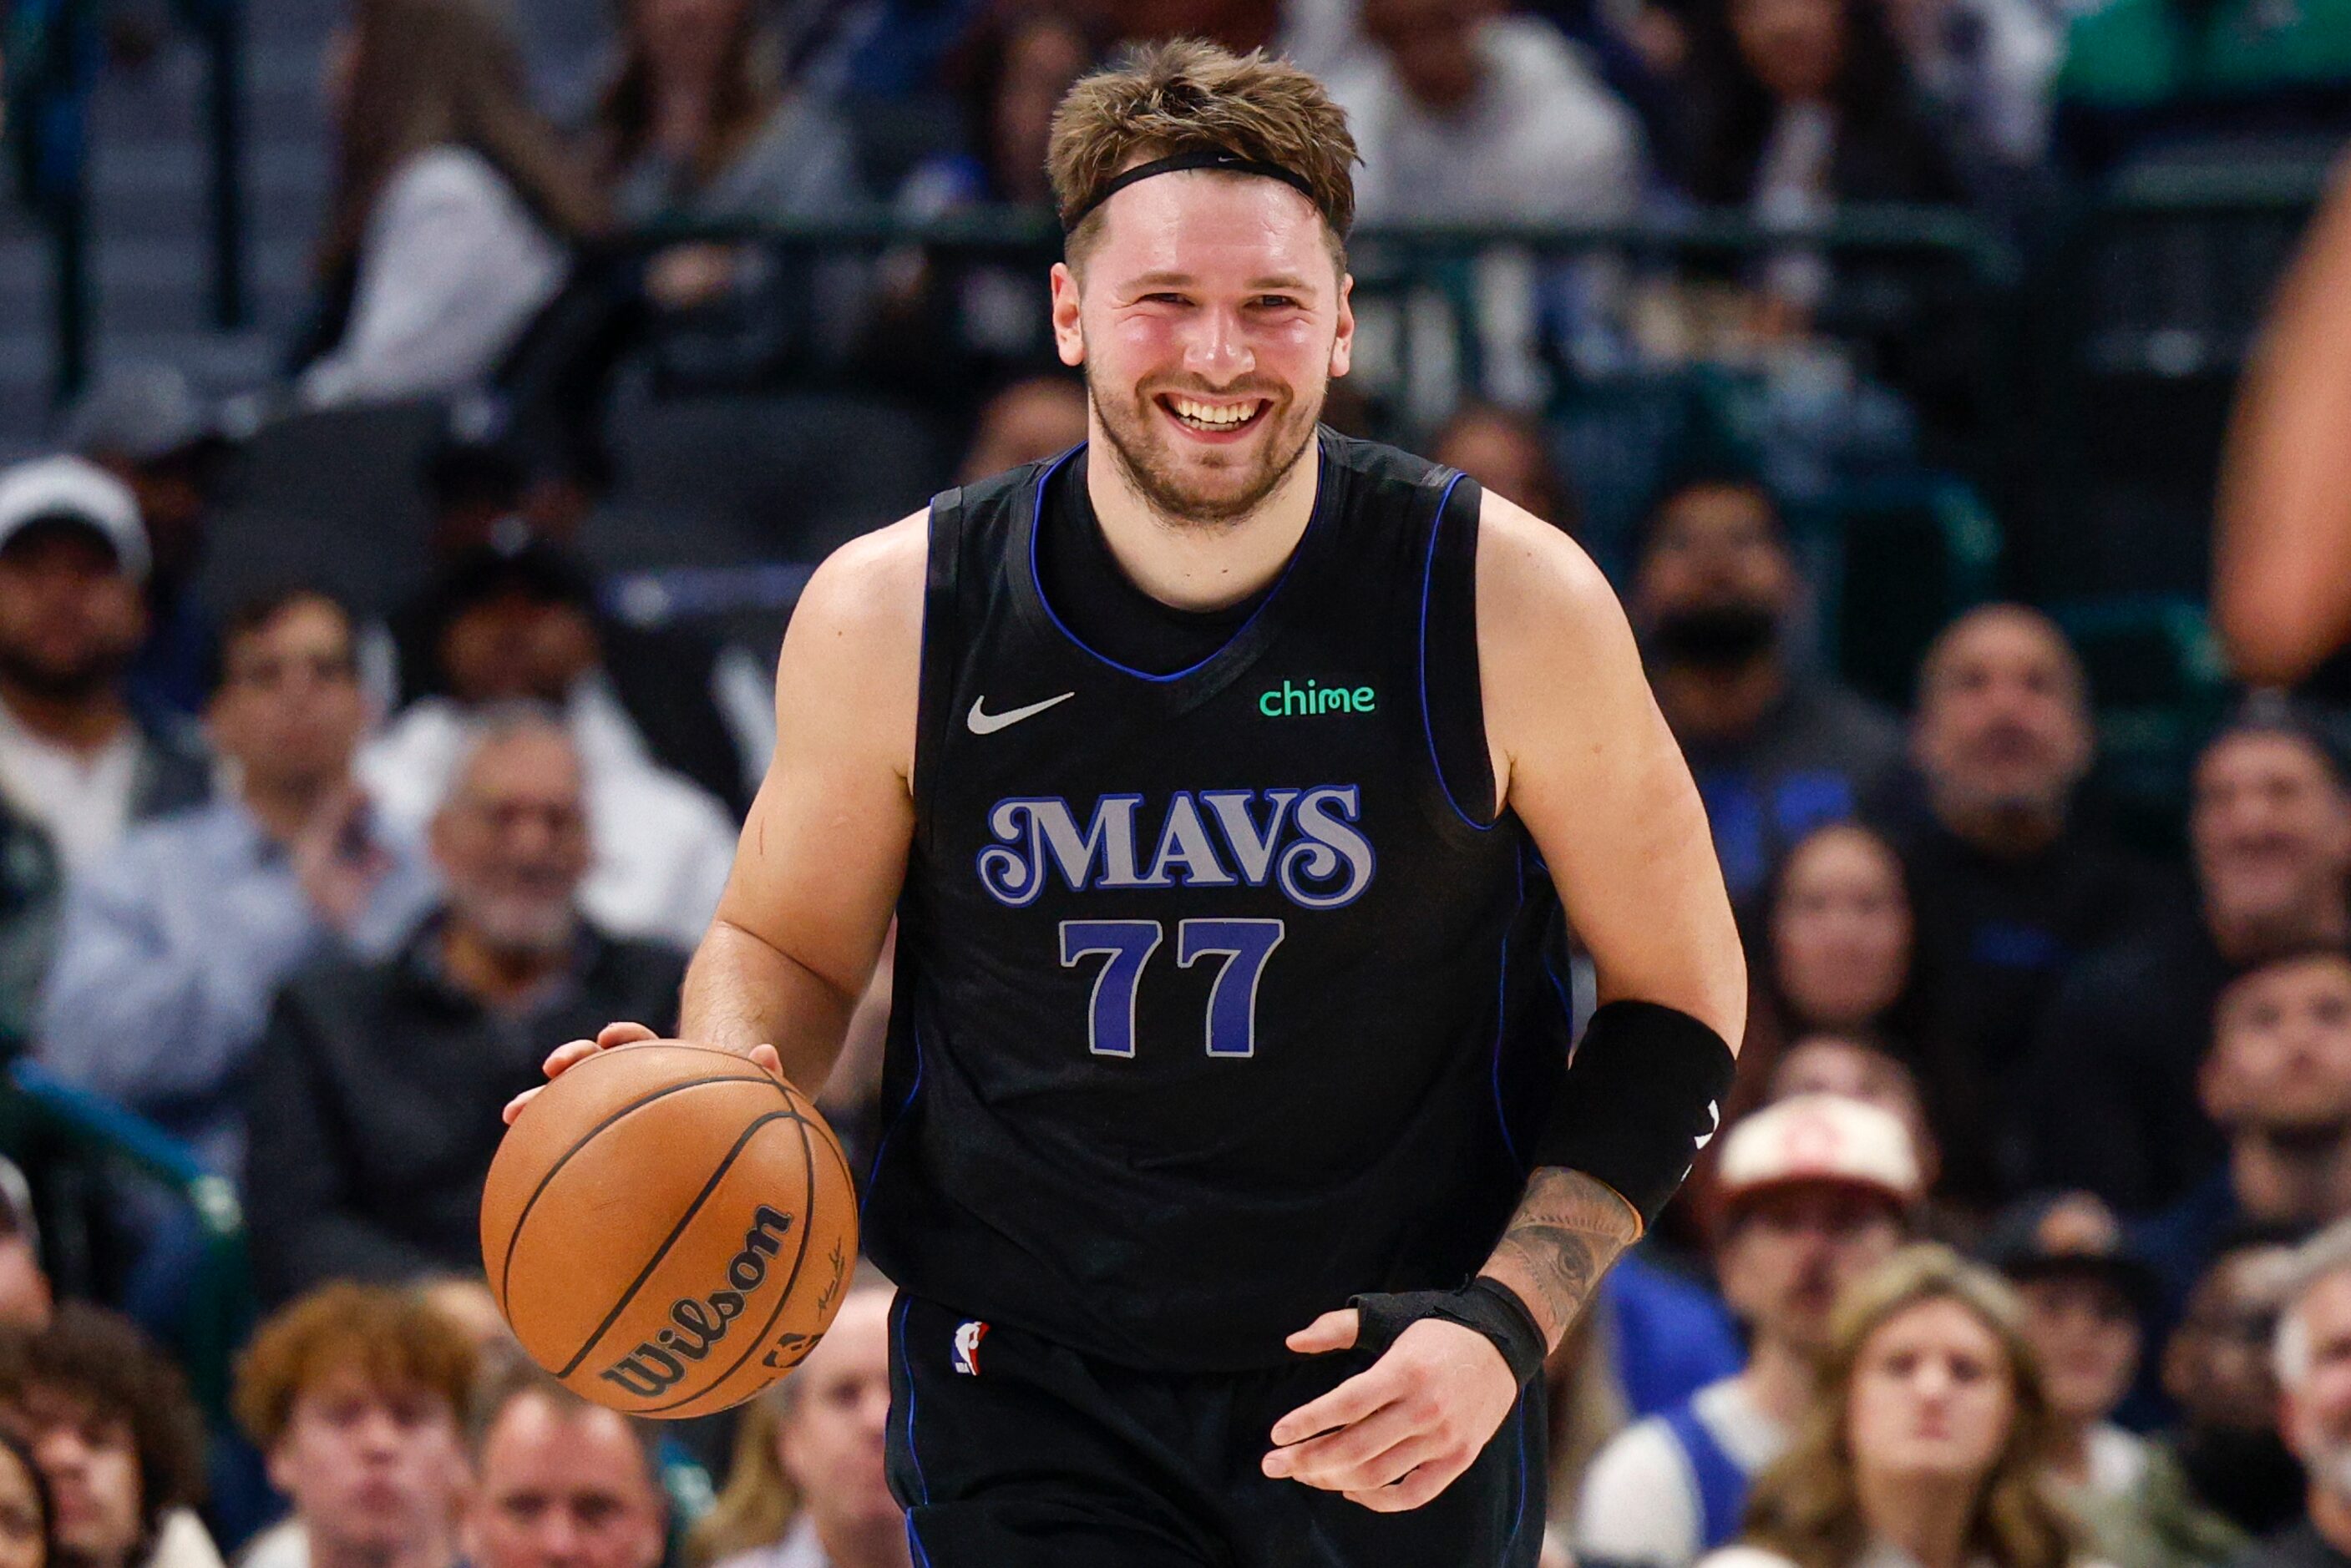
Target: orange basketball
point(668, 1229)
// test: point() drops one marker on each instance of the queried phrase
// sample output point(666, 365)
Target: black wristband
point(1642, 1096)
point(1486, 1305)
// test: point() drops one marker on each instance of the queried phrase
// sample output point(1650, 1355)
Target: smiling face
point(1209, 314)
point(2272, 830)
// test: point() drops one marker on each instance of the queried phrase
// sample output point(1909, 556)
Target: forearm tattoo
point(1569, 1229)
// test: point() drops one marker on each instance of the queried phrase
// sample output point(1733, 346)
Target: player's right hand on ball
point(570, 1053)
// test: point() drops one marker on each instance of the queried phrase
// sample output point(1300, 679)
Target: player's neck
point(1193, 566)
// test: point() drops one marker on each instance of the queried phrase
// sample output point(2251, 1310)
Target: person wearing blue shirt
point(174, 944)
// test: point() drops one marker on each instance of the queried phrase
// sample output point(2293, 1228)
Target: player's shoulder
point(869, 587)
point(1533, 574)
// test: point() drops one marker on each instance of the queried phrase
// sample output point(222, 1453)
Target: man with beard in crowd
point(1776, 749)
point(2270, 826)
point(2217, 1370)
point(2277, 1081)
point(373, 1114)
point(78, 762)
point(2010, 886)
point(2312, 1357)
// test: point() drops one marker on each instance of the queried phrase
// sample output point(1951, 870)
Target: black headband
point(1215, 158)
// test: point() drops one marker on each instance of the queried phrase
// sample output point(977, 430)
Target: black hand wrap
point(1491, 1309)
point(1642, 1096)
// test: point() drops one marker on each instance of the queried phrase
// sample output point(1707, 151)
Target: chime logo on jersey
point(967, 1346)
point(1304, 841)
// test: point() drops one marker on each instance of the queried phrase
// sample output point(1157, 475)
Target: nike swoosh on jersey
point(982, 722)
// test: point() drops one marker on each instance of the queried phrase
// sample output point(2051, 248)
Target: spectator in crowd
point(2008, 887)
point(1839, 955)
point(373, 1108)
point(454, 208)
point(561, 1483)
point(695, 122)
point(144, 425)
point(79, 760)
point(946, 319)
point(1925, 1443)
point(2270, 827)
point(1463, 113)
point(1811, 1192)
point(1802, 104)
point(173, 946)
point(1028, 421)
point(1986, 70)
point(2312, 1351)
point(502, 524)
point(808, 1488)
point(108, 1419)
point(2084, 1293)
point(1776, 749)
point(2277, 1082)
point(27, 1516)
point(504, 624)
point(355, 1396)
point(2217, 1370)
point(1508, 453)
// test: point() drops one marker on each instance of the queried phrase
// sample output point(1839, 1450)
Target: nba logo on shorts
point(967, 1346)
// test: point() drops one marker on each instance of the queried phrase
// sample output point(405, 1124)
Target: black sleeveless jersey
point(1215, 1005)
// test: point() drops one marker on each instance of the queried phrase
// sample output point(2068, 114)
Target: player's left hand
point(1401, 1431)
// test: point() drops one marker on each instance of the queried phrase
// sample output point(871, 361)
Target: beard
point(1715, 637)
point(516, 924)
point(1146, 454)
point(77, 680)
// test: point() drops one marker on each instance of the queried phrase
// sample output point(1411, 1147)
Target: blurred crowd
point(2024, 1243)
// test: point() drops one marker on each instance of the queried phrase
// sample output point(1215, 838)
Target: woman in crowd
point(695, 122)
point(1927, 1444)
point(454, 211)
point(1836, 953)
point(949, 325)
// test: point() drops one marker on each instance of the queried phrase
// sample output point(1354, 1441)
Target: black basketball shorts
point(1011, 1451)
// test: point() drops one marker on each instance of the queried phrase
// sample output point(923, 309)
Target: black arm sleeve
point(1643, 1094)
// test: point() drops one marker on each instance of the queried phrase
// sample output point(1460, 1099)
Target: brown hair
point(1807, 1507)
point(102, 1360)
point(512, 1378)
point(748, 91)
point(431, 73)
point(1163, 99)
point(393, 1338)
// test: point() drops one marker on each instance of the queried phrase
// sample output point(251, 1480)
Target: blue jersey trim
point(1428, 725)
point(921, 1484)
point(1035, 524)
point(913, 1032)
point(1503, 1016)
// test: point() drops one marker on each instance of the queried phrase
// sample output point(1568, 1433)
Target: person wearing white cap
point(1811, 1192)
point(74, 759)
point(78, 760)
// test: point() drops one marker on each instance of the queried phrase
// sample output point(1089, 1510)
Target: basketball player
point(1224, 775)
